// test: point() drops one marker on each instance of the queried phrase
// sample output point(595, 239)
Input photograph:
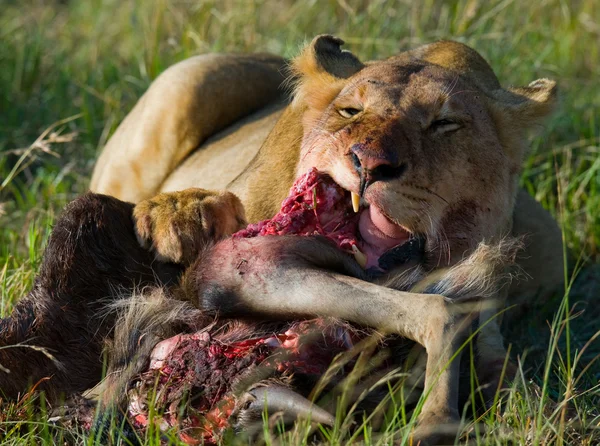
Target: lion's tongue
point(379, 235)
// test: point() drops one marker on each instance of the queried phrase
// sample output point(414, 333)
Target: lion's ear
point(526, 106)
point(518, 109)
point(325, 57)
point(533, 103)
point(320, 71)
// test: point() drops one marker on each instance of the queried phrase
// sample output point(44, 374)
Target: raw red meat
point(205, 367)
point(316, 205)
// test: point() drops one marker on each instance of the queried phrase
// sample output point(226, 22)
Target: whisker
point(424, 189)
point(439, 238)
point(462, 91)
point(436, 195)
point(321, 131)
point(448, 89)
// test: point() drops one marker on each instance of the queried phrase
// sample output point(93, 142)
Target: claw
point(284, 400)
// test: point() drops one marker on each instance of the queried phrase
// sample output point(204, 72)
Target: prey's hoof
point(436, 430)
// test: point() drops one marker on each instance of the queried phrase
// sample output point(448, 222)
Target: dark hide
point(92, 257)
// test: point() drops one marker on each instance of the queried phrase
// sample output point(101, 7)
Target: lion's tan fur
point(135, 162)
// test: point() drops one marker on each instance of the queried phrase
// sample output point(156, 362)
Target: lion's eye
point(444, 125)
point(348, 112)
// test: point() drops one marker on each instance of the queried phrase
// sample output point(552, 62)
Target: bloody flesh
point(316, 205)
point(206, 365)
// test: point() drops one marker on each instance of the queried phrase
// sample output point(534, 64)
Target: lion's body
point(256, 153)
point(226, 155)
point(188, 103)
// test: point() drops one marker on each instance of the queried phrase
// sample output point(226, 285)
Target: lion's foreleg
point(186, 104)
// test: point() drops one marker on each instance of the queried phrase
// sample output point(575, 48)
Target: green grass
point(79, 66)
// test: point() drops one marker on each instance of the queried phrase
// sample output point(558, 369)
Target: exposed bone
point(355, 201)
point(360, 257)
point(291, 404)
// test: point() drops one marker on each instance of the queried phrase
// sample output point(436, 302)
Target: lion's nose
point(374, 166)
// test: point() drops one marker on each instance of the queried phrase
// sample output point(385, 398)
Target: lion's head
point(429, 140)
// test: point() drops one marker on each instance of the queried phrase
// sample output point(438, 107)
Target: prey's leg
point(284, 278)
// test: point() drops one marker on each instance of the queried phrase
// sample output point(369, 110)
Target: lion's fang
point(355, 201)
point(360, 257)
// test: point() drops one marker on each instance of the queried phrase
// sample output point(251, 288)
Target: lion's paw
point(178, 225)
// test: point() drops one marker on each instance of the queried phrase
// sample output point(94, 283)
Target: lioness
point(428, 145)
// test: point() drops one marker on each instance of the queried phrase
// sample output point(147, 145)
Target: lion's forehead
point(398, 81)
point(387, 73)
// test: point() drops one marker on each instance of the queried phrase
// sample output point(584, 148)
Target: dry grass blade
point(43, 144)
